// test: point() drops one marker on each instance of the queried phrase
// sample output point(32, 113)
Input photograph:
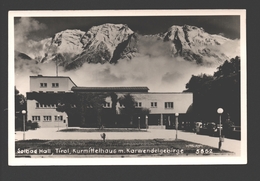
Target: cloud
point(158, 74)
point(22, 30)
point(152, 67)
point(25, 68)
point(170, 77)
point(164, 74)
point(230, 48)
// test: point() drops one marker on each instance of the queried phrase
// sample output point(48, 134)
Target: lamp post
point(220, 111)
point(67, 122)
point(176, 125)
point(58, 122)
point(146, 122)
point(23, 112)
point(139, 122)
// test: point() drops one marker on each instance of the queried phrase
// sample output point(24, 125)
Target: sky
point(229, 26)
point(157, 72)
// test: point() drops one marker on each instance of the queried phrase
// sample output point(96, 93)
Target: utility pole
point(56, 68)
point(220, 111)
point(176, 125)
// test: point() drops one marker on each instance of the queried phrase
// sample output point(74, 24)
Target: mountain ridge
point(110, 43)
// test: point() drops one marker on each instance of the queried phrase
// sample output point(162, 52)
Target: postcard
point(127, 87)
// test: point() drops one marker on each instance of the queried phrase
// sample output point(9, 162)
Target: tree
point(66, 102)
point(91, 101)
point(128, 102)
point(200, 87)
point(220, 90)
point(88, 106)
point(130, 110)
point(20, 104)
point(114, 99)
point(145, 111)
point(20, 101)
point(228, 68)
point(113, 115)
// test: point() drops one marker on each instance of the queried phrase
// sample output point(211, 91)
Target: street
point(52, 133)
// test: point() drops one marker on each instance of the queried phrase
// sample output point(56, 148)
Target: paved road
point(52, 133)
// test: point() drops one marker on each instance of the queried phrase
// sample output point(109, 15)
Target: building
point(163, 106)
point(41, 106)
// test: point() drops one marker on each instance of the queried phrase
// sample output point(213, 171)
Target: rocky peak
point(192, 43)
point(69, 40)
point(111, 34)
point(112, 42)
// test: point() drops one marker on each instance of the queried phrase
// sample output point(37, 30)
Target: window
point(43, 84)
point(138, 104)
point(47, 118)
point(169, 105)
point(36, 118)
point(107, 104)
point(58, 118)
point(55, 84)
point(153, 104)
point(40, 105)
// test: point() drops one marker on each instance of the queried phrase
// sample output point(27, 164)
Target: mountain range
point(112, 43)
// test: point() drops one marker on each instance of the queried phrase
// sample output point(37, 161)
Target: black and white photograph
point(127, 87)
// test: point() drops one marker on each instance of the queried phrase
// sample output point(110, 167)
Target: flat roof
point(110, 89)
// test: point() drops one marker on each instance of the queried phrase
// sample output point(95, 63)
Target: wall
point(160, 115)
point(64, 84)
point(181, 101)
point(33, 111)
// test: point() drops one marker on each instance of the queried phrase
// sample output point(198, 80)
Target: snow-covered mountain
point(192, 43)
point(112, 42)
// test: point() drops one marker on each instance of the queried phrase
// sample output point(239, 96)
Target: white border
point(242, 159)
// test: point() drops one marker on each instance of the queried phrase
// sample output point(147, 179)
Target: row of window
point(43, 85)
point(38, 105)
point(47, 118)
point(167, 105)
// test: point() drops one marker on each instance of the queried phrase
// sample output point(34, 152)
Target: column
point(162, 120)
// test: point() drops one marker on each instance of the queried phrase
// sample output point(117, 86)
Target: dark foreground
point(155, 147)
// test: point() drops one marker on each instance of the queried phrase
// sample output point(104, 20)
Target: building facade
point(41, 107)
point(163, 106)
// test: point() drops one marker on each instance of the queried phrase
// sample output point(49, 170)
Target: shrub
point(32, 125)
point(18, 123)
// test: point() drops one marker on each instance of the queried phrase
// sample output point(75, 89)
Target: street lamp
point(58, 122)
point(146, 122)
point(139, 123)
point(23, 112)
point(176, 124)
point(67, 122)
point(220, 111)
